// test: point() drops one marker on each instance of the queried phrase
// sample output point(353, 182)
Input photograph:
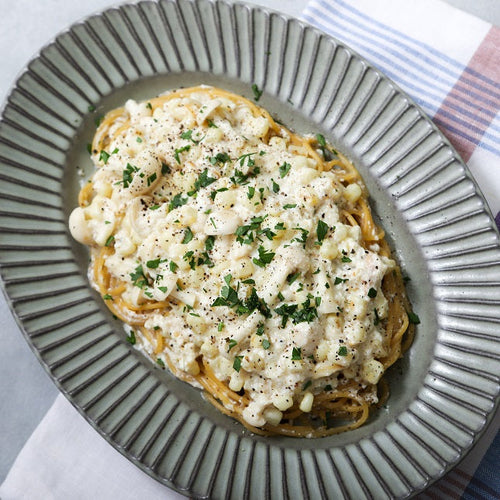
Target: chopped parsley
point(241, 178)
point(187, 147)
point(324, 147)
point(248, 157)
point(109, 241)
point(209, 243)
point(107, 296)
point(292, 277)
point(276, 186)
point(229, 298)
point(304, 233)
point(230, 344)
point(296, 354)
point(165, 169)
point(138, 277)
point(104, 156)
point(345, 259)
point(160, 362)
point(203, 180)
point(256, 92)
point(338, 280)
point(237, 363)
point(213, 194)
point(220, 158)
point(188, 134)
point(289, 205)
point(246, 234)
point(266, 344)
point(284, 169)
point(131, 337)
point(176, 202)
point(303, 313)
point(173, 266)
point(265, 257)
point(153, 264)
point(128, 175)
point(151, 179)
point(413, 318)
point(342, 350)
point(321, 230)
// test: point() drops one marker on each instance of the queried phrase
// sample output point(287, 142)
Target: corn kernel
point(242, 268)
point(282, 402)
point(372, 371)
point(236, 382)
point(352, 192)
point(272, 415)
point(307, 402)
point(329, 250)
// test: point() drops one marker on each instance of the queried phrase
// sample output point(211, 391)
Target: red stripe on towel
point(486, 63)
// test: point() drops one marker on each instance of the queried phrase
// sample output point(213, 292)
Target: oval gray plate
point(443, 392)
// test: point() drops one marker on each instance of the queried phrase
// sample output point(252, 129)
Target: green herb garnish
point(256, 92)
point(237, 363)
point(342, 350)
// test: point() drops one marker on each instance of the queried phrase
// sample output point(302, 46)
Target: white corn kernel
point(282, 402)
point(340, 233)
point(225, 199)
point(236, 382)
point(186, 216)
point(272, 415)
point(242, 268)
point(372, 371)
point(193, 368)
point(329, 250)
point(79, 227)
point(322, 350)
point(277, 143)
point(213, 136)
point(352, 192)
point(221, 222)
point(209, 349)
point(307, 402)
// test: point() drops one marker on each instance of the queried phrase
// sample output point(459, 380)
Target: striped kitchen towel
point(447, 60)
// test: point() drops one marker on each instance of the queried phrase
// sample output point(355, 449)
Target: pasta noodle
point(244, 258)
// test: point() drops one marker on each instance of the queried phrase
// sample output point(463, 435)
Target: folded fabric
point(449, 62)
point(65, 458)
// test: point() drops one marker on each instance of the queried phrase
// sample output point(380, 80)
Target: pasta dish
point(244, 258)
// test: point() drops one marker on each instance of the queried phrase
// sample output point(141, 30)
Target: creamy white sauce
point(175, 193)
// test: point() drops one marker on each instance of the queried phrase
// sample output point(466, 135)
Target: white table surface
point(26, 392)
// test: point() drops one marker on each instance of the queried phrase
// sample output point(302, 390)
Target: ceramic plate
point(443, 392)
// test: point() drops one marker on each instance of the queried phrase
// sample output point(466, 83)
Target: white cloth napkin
point(65, 458)
point(449, 62)
point(446, 59)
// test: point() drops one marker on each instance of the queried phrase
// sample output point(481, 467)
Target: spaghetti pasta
point(245, 258)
